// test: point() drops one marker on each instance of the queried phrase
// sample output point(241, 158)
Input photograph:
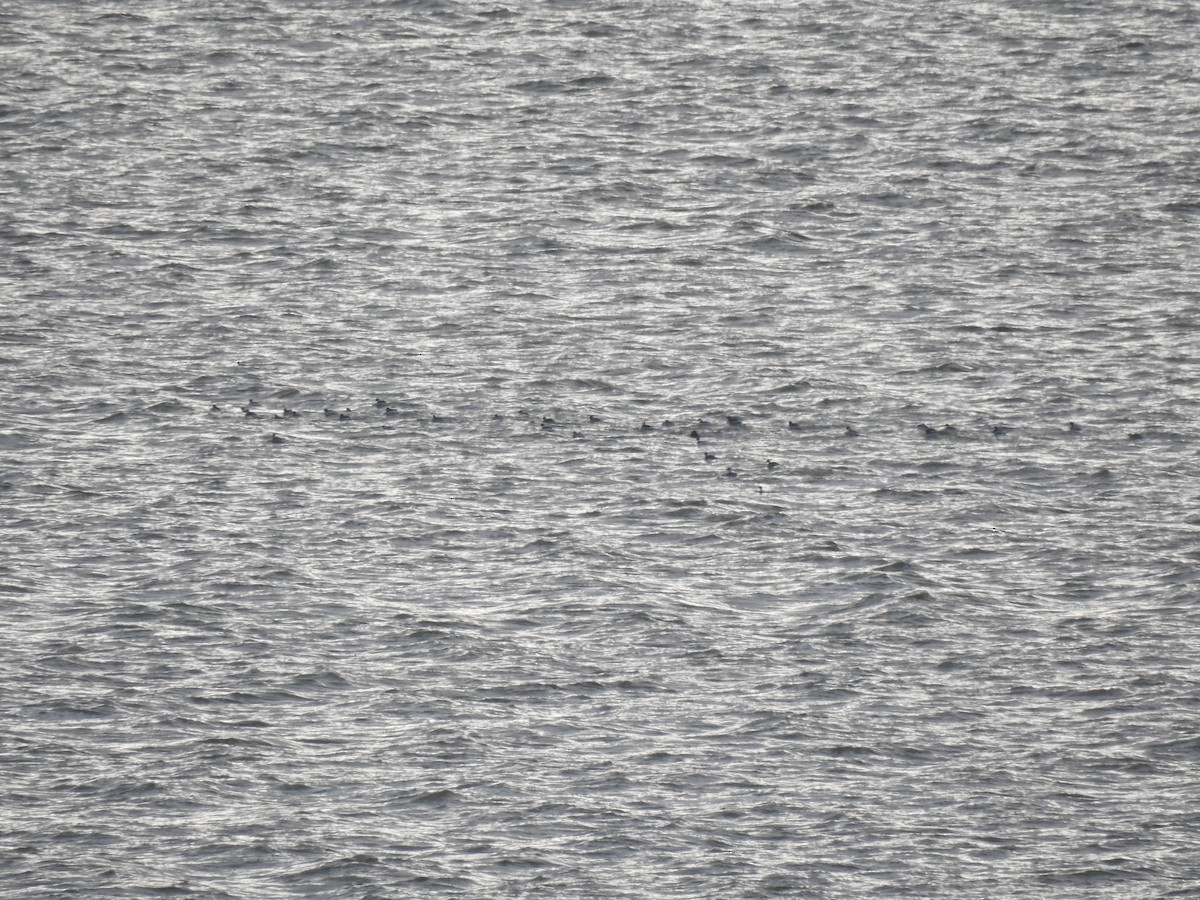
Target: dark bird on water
point(944, 431)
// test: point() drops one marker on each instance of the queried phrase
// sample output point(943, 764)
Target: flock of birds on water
point(699, 430)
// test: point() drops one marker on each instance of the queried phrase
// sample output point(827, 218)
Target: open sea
point(593, 449)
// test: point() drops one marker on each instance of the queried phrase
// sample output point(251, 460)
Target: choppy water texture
point(643, 578)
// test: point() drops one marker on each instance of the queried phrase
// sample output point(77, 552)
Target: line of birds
point(254, 410)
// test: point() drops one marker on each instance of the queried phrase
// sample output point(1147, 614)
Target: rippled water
point(603, 551)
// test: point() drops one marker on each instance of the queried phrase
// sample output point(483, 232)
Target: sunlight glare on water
point(598, 449)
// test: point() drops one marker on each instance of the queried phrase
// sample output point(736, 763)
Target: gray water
point(546, 621)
